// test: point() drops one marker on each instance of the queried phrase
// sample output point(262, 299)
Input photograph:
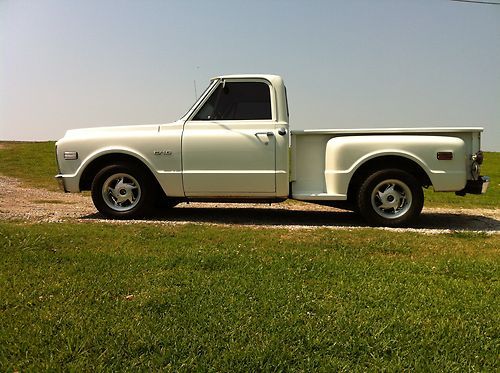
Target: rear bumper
point(479, 186)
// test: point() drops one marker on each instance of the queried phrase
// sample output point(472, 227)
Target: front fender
point(71, 171)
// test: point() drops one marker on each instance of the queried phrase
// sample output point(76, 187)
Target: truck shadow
point(457, 221)
point(276, 217)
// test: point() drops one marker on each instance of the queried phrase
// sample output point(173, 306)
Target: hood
point(113, 130)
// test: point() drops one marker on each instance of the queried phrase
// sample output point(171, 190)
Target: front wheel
point(122, 191)
point(391, 198)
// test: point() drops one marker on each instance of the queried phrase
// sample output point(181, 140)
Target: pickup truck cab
point(235, 144)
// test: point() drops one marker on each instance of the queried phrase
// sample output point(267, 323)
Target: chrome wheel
point(121, 192)
point(391, 199)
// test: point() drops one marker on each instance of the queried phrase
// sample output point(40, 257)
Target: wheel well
point(385, 162)
point(99, 163)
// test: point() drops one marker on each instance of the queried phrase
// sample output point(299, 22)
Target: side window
point(237, 101)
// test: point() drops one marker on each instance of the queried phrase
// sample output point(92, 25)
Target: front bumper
point(479, 186)
point(61, 183)
point(68, 183)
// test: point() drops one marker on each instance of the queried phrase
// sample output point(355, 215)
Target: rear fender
point(345, 155)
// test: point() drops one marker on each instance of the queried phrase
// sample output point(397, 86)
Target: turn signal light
point(445, 156)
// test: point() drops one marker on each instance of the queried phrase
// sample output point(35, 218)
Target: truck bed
point(309, 147)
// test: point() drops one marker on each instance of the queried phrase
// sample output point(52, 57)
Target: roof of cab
point(269, 77)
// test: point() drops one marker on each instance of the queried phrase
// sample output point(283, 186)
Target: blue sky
point(347, 64)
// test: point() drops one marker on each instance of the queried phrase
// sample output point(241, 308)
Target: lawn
point(34, 163)
point(146, 296)
point(194, 297)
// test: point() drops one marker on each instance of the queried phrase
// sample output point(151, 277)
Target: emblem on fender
point(162, 152)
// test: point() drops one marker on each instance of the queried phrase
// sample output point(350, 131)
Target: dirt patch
point(18, 202)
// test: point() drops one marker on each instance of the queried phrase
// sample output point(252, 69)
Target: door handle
point(268, 134)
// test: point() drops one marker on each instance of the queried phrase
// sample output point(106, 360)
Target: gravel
point(21, 203)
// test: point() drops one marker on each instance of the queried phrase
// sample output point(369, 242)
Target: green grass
point(78, 296)
point(127, 297)
point(34, 164)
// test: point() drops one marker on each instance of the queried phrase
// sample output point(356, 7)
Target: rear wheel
point(122, 191)
point(391, 198)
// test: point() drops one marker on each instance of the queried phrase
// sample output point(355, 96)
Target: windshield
point(212, 83)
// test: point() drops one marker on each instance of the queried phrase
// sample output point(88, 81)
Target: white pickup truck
point(234, 144)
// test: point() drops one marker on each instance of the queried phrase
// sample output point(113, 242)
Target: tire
point(123, 191)
point(390, 198)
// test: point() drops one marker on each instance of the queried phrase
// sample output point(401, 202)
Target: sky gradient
point(347, 64)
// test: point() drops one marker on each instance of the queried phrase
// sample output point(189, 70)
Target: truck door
point(228, 144)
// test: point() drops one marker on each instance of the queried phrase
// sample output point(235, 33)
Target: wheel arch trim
point(341, 181)
point(89, 166)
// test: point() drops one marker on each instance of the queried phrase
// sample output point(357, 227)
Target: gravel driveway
point(18, 202)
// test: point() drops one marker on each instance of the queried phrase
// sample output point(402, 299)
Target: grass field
point(34, 163)
point(90, 296)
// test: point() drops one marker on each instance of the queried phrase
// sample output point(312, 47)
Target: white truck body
point(247, 153)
